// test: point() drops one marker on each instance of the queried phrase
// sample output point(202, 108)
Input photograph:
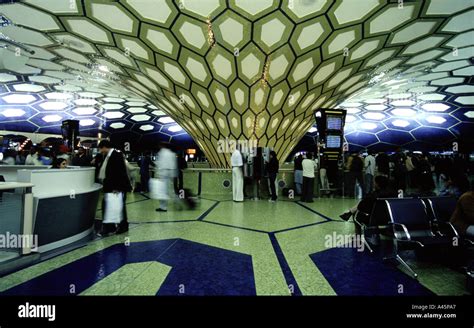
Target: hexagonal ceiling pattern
point(241, 69)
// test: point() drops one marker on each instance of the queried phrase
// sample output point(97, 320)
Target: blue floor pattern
point(202, 269)
point(350, 272)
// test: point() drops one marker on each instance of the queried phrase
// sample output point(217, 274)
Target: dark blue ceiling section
point(395, 137)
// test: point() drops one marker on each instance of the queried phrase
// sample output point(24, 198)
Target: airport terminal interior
point(237, 147)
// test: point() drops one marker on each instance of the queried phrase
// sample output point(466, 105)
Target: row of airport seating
point(412, 224)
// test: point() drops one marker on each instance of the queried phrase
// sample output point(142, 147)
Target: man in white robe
point(167, 168)
point(237, 176)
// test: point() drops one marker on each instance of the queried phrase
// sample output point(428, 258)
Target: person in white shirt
point(410, 170)
point(369, 165)
point(308, 178)
point(32, 158)
point(167, 166)
point(237, 176)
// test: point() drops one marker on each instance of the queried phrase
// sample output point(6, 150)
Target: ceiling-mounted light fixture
point(264, 78)
point(210, 33)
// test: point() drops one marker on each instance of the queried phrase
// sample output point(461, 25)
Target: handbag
point(159, 189)
point(113, 207)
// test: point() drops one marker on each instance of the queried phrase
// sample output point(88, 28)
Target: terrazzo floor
point(227, 248)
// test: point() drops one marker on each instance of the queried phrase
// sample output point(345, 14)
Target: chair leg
point(367, 244)
point(404, 264)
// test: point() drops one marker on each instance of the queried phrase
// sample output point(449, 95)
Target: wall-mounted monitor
point(334, 122)
point(333, 141)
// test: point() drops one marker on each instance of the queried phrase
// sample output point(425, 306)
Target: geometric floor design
point(190, 268)
point(351, 272)
point(227, 248)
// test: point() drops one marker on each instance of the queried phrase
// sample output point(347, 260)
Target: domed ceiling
point(240, 69)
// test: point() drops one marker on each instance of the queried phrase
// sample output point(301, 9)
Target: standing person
point(178, 180)
point(272, 169)
point(114, 177)
point(410, 169)
point(145, 163)
point(399, 170)
point(20, 158)
point(44, 157)
point(426, 182)
point(383, 164)
point(308, 178)
point(357, 169)
point(237, 176)
point(167, 167)
point(369, 165)
point(298, 174)
point(323, 176)
point(32, 158)
point(97, 162)
point(81, 159)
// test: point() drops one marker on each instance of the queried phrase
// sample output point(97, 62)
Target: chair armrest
point(439, 225)
point(360, 213)
point(405, 234)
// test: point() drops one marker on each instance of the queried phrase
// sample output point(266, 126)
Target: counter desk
point(64, 204)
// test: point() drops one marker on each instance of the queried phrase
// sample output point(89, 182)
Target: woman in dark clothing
point(272, 170)
point(382, 190)
point(299, 174)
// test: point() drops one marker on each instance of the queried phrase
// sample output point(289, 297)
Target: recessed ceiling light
point(52, 118)
point(435, 119)
point(375, 107)
point(374, 116)
point(84, 110)
point(165, 120)
point(404, 112)
point(147, 127)
point(19, 99)
point(435, 107)
point(86, 122)
point(13, 112)
point(117, 125)
point(112, 115)
point(175, 128)
point(368, 126)
point(400, 123)
point(352, 110)
point(350, 118)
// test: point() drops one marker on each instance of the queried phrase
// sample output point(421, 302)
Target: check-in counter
point(64, 204)
point(10, 172)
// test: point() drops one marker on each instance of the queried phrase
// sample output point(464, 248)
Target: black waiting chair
point(371, 223)
point(412, 228)
point(440, 210)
